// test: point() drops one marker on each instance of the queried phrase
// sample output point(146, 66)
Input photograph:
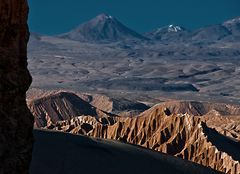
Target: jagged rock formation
point(228, 126)
point(16, 120)
point(167, 127)
point(81, 125)
point(222, 117)
point(180, 135)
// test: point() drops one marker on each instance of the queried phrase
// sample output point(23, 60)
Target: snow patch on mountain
point(173, 28)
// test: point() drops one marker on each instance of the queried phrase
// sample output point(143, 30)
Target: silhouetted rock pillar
point(16, 122)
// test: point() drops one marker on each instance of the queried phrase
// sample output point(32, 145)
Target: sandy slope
point(59, 153)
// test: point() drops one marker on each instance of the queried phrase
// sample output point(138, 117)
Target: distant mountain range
point(229, 30)
point(168, 33)
point(105, 55)
point(105, 28)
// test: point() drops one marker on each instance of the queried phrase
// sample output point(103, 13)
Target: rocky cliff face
point(16, 120)
point(209, 138)
point(180, 135)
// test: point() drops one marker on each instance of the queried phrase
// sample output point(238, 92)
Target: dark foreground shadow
point(61, 153)
point(223, 143)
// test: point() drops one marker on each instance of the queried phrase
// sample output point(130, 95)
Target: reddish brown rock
point(181, 135)
point(163, 128)
point(16, 120)
point(60, 106)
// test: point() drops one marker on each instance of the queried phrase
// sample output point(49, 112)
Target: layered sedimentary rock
point(64, 105)
point(56, 106)
point(163, 128)
point(200, 108)
point(16, 120)
point(61, 106)
point(116, 105)
point(228, 126)
point(180, 135)
point(222, 117)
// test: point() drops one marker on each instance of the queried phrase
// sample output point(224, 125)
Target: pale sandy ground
point(60, 153)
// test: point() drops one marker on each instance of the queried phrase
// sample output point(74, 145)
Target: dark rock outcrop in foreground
point(16, 120)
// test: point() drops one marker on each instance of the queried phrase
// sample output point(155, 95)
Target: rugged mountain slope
point(222, 117)
point(60, 106)
point(184, 136)
point(200, 108)
point(171, 33)
point(103, 28)
point(53, 106)
point(119, 106)
point(16, 120)
point(228, 126)
point(210, 34)
point(164, 128)
point(233, 26)
point(227, 31)
point(64, 153)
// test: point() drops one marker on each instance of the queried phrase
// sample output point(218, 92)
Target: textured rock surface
point(16, 120)
point(228, 126)
point(180, 135)
point(51, 107)
point(164, 128)
point(61, 106)
point(117, 105)
point(222, 117)
point(200, 108)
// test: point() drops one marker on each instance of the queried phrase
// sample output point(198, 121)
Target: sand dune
point(60, 153)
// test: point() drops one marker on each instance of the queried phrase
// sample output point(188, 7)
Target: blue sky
point(59, 16)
